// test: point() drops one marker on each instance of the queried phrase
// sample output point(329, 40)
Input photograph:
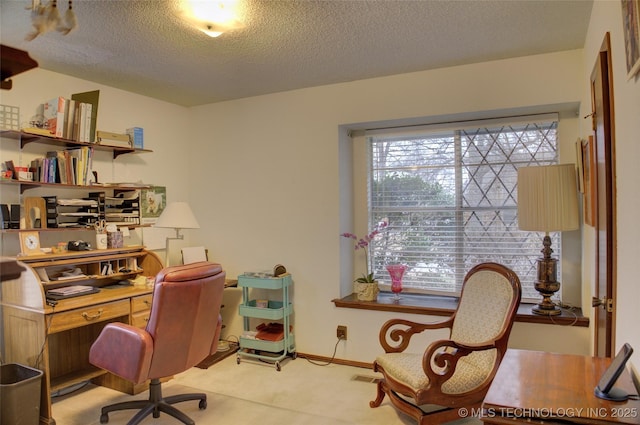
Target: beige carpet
point(251, 393)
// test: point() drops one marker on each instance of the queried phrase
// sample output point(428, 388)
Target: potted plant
point(366, 286)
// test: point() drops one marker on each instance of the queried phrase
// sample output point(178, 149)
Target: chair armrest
point(395, 335)
point(444, 355)
point(123, 350)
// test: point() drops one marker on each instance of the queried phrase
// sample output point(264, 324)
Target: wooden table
point(544, 388)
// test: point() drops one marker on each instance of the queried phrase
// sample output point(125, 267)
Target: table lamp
point(176, 215)
point(547, 202)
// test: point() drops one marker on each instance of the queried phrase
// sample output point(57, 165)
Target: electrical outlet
point(341, 332)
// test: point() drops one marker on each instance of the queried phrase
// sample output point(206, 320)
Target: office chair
point(455, 372)
point(184, 328)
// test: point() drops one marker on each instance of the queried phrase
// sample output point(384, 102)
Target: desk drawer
point(140, 319)
point(141, 303)
point(87, 315)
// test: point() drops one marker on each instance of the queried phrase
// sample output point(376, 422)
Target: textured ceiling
point(143, 47)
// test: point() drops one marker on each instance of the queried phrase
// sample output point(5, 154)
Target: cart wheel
point(278, 368)
point(104, 418)
point(202, 405)
point(294, 355)
point(238, 359)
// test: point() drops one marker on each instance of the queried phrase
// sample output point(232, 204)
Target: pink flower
point(363, 243)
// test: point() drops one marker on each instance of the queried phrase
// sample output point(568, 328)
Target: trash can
point(19, 394)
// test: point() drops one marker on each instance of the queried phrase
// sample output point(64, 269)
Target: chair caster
point(202, 405)
point(104, 418)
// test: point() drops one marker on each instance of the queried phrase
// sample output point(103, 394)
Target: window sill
point(445, 306)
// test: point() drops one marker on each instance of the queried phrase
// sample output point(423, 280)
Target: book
point(67, 167)
point(36, 168)
point(75, 135)
point(137, 137)
point(65, 120)
point(62, 167)
point(70, 119)
point(53, 111)
point(91, 97)
point(38, 131)
point(82, 122)
point(82, 160)
point(117, 140)
point(87, 125)
point(52, 168)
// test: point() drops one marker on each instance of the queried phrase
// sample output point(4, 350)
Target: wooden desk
point(543, 388)
point(57, 339)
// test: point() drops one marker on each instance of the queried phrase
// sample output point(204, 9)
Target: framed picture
point(589, 181)
point(631, 29)
point(152, 202)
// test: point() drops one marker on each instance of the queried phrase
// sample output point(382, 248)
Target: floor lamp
point(177, 215)
point(547, 202)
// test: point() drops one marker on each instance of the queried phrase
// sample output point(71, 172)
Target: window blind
point(449, 194)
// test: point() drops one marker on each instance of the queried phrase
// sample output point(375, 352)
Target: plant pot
point(367, 291)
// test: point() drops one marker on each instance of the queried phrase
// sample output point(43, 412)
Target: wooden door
point(605, 220)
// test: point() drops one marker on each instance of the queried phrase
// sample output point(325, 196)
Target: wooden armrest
point(445, 354)
point(395, 335)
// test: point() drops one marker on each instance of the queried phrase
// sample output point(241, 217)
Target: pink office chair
point(184, 328)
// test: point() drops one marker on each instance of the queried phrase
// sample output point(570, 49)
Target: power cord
point(333, 357)
point(569, 309)
point(48, 320)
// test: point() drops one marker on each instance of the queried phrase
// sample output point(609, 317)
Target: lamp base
point(547, 285)
point(545, 310)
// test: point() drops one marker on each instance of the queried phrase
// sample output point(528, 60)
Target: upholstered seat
point(184, 328)
point(455, 372)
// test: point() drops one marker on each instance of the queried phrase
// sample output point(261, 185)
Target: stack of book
point(69, 166)
point(72, 119)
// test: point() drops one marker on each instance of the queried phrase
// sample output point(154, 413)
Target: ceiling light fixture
point(212, 17)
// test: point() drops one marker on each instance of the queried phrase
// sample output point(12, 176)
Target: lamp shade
point(177, 215)
point(548, 198)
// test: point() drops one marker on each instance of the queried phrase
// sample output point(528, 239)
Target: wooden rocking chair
point(455, 372)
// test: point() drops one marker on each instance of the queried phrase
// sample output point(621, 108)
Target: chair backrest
point(488, 303)
point(184, 316)
point(194, 254)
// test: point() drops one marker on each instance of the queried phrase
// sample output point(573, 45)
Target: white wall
point(607, 17)
point(267, 171)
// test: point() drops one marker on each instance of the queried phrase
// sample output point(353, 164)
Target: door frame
point(605, 221)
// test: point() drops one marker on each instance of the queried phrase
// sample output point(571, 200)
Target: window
point(449, 195)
